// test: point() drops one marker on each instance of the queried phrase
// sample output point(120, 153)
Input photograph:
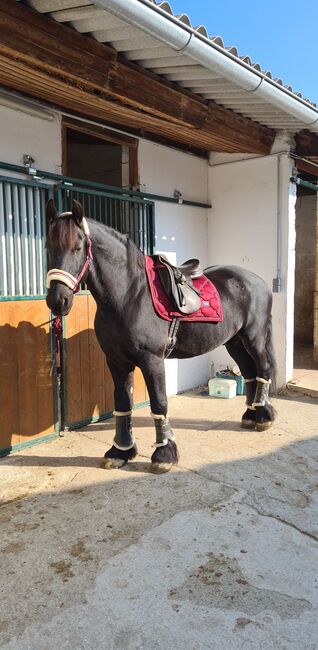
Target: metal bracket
point(277, 285)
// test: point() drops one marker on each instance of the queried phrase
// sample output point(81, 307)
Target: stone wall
point(306, 217)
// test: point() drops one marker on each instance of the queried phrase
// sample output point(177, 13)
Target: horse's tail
point(270, 355)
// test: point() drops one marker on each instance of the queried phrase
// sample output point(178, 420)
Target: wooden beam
point(307, 144)
point(307, 167)
point(100, 133)
point(75, 73)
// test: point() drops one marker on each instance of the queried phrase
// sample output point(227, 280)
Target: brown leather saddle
point(177, 283)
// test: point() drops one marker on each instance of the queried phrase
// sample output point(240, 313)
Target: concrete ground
point(305, 379)
point(221, 553)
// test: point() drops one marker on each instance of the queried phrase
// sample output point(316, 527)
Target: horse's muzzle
point(59, 299)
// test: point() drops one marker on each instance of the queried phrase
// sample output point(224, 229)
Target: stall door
point(87, 386)
point(28, 394)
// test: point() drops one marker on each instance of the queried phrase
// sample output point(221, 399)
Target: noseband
point(66, 278)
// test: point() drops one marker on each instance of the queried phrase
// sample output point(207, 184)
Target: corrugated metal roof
point(149, 52)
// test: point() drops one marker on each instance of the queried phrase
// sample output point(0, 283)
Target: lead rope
point(58, 331)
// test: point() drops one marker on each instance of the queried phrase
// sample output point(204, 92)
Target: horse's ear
point(51, 211)
point(77, 212)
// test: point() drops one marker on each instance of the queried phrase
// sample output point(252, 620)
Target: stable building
point(162, 132)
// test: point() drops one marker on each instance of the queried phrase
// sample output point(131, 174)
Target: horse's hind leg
point(124, 447)
point(247, 367)
point(259, 345)
point(166, 452)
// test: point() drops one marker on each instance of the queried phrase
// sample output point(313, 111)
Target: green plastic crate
point(240, 384)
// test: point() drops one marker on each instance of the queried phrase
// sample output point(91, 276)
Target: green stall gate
point(42, 392)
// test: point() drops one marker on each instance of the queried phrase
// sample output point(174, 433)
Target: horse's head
point(69, 254)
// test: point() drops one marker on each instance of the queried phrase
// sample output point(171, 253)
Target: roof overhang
point(152, 37)
point(57, 64)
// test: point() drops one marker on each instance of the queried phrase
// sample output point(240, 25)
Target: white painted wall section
point(181, 231)
point(23, 133)
point(246, 196)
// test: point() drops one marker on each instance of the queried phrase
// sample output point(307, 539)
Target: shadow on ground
point(221, 553)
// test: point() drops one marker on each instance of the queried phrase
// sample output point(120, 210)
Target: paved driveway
point(221, 553)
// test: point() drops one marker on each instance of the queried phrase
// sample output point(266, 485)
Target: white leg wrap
point(165, 442)
point(163, 430)
point(122, 448)
point(247, 381)
point(124, 439)
point(121, 413)
point(262, 392)
point(159, 417)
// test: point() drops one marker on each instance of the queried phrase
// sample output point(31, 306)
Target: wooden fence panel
point(88, 383)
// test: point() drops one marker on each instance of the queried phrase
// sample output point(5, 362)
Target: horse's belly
point(194, 339)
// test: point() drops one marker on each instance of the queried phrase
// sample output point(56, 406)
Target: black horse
point(131, 334)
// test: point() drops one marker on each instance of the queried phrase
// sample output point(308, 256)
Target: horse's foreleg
point(166, 452)
point(124, 447)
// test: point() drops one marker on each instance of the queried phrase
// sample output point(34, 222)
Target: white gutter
point(181, 38)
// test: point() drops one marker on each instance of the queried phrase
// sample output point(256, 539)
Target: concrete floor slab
point(220, 553)
point(305, 378)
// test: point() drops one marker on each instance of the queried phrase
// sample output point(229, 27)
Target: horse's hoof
point(112, 463)
point(164, 458)
point(248, 424)
point(161, 468)
point(263, 426)
point(115, 458)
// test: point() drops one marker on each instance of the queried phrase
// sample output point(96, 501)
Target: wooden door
point(87, 383)
point(28, 401)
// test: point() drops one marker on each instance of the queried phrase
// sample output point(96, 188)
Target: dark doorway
point(99, 155)
point(93, 159)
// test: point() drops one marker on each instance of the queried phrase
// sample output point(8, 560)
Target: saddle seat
point(190, 268)
point(177, 283)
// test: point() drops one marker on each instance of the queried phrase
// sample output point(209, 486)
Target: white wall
point(243, 231)
point(181, 231)
point(22, 133)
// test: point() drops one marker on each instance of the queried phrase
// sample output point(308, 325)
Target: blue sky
point(280, 35)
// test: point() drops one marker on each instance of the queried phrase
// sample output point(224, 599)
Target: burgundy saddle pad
point(211, 307)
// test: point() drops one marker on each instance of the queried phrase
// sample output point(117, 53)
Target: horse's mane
point(63, 233)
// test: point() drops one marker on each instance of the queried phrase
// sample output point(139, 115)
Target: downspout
point(184, 39)
point(277, 282)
